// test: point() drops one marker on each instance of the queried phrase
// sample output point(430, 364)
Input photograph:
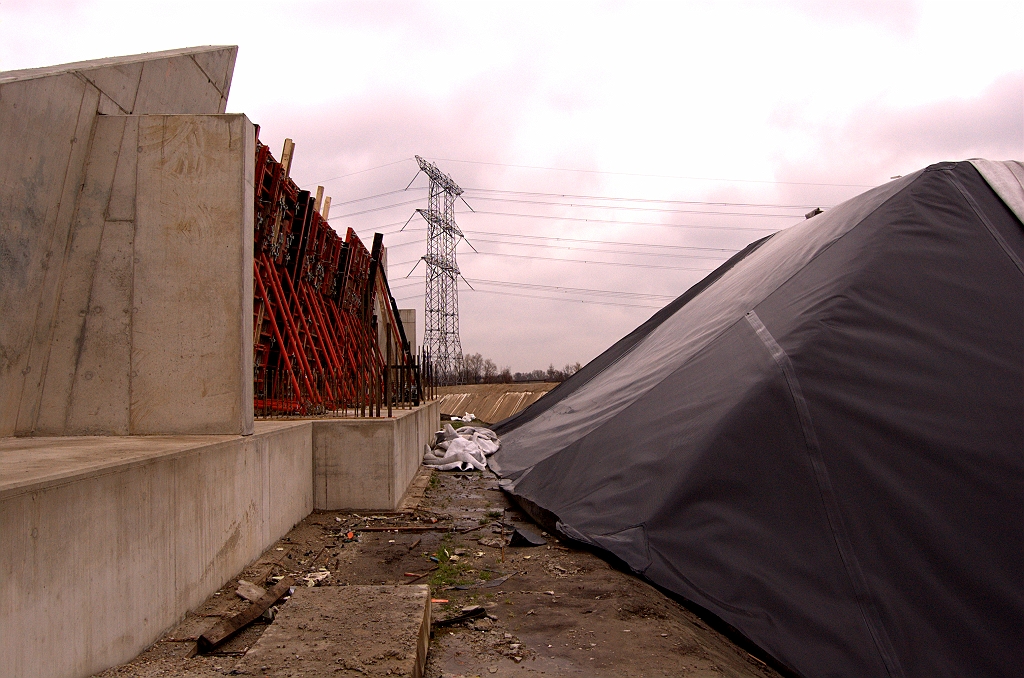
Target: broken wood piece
point(413, 581)
point(403, 528)
point(473, 529)
point(474, 612)
point(249, 591)
point(226, 628)
point(286, 157)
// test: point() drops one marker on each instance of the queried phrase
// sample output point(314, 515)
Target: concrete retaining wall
point(73, 234)
point(107, 542)
point(369, 463)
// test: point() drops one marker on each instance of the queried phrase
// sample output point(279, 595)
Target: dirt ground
point(552, 610)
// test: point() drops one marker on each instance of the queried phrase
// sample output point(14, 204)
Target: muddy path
point(551, 610)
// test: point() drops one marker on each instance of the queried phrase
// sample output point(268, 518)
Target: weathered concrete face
point(125, 248)
point(369, 463)
point(109, 541)
point(408, 318)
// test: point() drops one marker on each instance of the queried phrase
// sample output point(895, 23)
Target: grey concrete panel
point(222, 514)
point(107, 62)
point(70, 179)
point(246, 284)
point(109, 541)
point(100, 394)
point(39, 123)
point(46, 120)
point(190, 311)
point(382, 630)
point(219, 65)
point(369, 463)
point(119, 82)
point(175, 86)
point(408, 318)
point(75, 304)
point(121, 206)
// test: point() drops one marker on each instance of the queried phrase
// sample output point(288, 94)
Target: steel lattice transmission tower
point(441, 326)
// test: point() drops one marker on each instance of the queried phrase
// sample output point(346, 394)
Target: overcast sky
point(650, 140)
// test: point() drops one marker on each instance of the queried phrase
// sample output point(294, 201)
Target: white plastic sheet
point(462, 450)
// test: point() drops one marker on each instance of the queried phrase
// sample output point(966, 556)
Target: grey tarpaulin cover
point(822, 443)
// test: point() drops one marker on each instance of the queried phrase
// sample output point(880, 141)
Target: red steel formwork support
point(314, 330)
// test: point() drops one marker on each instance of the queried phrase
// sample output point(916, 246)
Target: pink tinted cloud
point(879, 141)
point(899, 16)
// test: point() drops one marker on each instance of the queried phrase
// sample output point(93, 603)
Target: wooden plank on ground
point(226, 628)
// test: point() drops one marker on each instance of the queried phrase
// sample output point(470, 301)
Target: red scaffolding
point(317, 348)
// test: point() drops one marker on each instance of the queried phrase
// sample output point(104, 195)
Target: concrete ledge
point(346, 630)
point(109, 541)
point(369, 463)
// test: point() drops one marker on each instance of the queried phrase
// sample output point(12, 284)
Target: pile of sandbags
point(462, 450)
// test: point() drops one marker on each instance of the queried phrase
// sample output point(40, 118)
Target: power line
point(655, 176)
point(600, 250)
point(588, 261)
point(627, 208)
point(594, 249)
point(554, 288)
point(362, 171)
point(534, 296)
point(501, 234)
point(653, 200)
point(377, 209)
point(759, 229)
point(605, 242)
point(662, 210)
point(379, 195)
point(570, 290)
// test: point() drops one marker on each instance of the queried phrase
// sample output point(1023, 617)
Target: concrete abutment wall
point(91, 188)
point(134, 481)
point(109, 541)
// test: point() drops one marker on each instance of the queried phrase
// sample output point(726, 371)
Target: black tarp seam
point(996, 235)
point(582, 378)
point(829, 501)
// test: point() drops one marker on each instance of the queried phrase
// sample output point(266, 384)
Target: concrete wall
point(408, 318)
point(69, 214)
point(369, 463)
point(109, 541)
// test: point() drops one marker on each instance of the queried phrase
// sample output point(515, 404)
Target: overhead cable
point(655, 176)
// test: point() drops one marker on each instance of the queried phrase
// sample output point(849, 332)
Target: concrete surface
point(408, 318)
point(345, 630)
point(369, 463)
point(490, 402)
point(68, 223)
point(152, 333)
point(191, 334)
point(108, 541)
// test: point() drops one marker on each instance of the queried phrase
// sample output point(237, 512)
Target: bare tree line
point(479, 370)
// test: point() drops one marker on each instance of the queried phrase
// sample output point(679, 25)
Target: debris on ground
point(226, 628)
point(561, 611)
point(463, 450)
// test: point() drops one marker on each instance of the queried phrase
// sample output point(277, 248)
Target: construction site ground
point(552, 610)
